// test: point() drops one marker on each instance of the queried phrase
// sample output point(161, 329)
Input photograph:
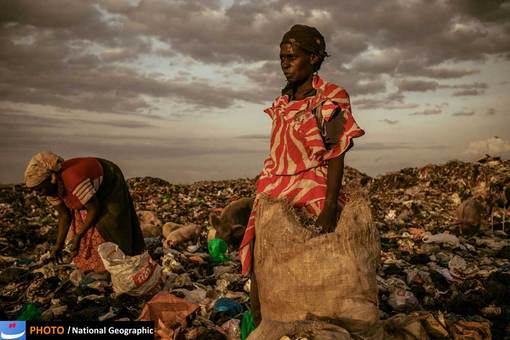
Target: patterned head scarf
point(307, 38)
point(42, 166)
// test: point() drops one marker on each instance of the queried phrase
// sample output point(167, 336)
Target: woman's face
point(47, 188)
point(296, 64)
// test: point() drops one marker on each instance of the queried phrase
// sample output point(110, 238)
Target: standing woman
point(93, 204)
point(312, 129)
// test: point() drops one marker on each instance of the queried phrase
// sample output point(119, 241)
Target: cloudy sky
point(176, 89)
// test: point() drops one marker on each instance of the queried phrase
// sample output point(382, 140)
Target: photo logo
point(12, 330)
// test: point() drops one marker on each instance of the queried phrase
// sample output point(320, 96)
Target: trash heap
point(454, 281)
point(428, 265)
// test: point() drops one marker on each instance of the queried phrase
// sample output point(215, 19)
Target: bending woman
point(93, 203)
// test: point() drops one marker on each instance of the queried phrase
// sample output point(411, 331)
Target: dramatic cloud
point(389, 121)
point(393, 101)
point(443, 73)
point(76, 84)
point(417, 85)
point(464, 113)
point(467, 93)
point(476, 86)
point(474, 89)
point(82, 55)
point(428, 112)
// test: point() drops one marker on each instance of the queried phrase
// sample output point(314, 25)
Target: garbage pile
point(438, 264)
point(430, 262)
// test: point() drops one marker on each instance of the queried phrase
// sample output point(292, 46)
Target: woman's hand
point(328, 215)
point(64, 221)
point(327, 218)
point(56, 254)
point(75, 246)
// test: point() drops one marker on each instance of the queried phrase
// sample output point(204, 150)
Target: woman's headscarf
point(308, 38)
point(42, 166)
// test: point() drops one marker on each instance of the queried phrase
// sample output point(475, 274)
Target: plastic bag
point(168, 312)
point(247, 325)
point(134, 275)
point(30, 312)
point(217, 249)
point(228, 307)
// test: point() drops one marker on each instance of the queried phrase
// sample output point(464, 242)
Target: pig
point(469, 216)
point(181, 235)
point(149, 223)
point(232, 222)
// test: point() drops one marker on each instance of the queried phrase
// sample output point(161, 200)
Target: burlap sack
point(269, 330)
point(327, 277)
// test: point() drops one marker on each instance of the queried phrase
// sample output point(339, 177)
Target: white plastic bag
point(134, 275)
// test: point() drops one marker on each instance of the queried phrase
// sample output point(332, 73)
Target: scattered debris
point(455, 284)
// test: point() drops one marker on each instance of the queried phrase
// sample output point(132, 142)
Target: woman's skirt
point(117, 221)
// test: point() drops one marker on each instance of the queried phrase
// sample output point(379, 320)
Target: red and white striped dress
point(296, 168)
